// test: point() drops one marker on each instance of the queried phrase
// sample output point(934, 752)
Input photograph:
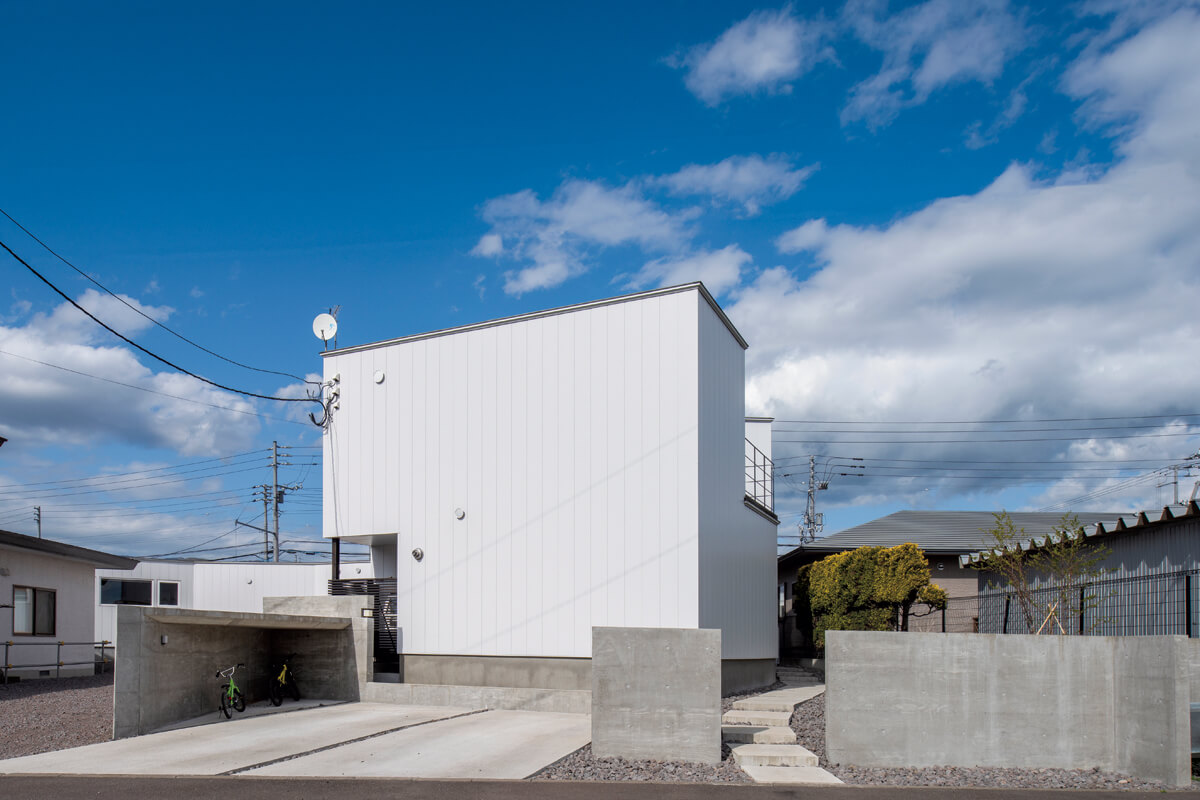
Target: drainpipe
point(337, 558)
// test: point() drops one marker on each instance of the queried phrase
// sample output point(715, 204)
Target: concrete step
point(757, 734)
point(795, 776)
point(773, 755)
point(768, 719)
point(764, 704)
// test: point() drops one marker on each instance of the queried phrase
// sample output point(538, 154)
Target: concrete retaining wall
point(506, 671)
point(159, 681)
point(569, 701)
point(656, 693)
point(340, 668)
point(927, 699)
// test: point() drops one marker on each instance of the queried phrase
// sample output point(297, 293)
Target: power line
point(967, 430)
point(979, 441)
point(228, 458)
point(142, 313)
point(978, 421)
point(155, 356)
point(152, 391)
point(43, 493)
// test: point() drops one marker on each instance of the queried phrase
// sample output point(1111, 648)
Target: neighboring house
point(944, 536)
point(528, 478)
point(208, 586)
point(46, 590)
point(1149, 585)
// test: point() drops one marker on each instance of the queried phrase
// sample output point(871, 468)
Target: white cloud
point(750, 181)
point(196, 293)
point(554, 234)
point(927, 47)
point(761, 53)
point(52, 406)
point(489, 246)
point(1030, 299)
point(720, 270)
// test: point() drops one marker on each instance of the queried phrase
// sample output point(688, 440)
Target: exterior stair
point(761, 739)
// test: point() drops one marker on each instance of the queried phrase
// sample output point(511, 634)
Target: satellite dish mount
point(325, 327)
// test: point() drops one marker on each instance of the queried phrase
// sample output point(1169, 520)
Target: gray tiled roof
point(941, 531)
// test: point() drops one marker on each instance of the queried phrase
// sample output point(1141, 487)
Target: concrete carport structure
point(167, 658)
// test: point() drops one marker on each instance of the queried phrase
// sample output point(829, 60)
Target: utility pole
point(277, 491)
point(37, 516)
point(266, 521)
point(813, 522)
point(275, 495)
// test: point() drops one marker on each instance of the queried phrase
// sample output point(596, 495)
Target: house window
point(34, 611)
point(168, 593)
point(118, 592)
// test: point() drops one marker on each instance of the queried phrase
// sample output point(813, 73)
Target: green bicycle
point(231, 695)
point(283, 681)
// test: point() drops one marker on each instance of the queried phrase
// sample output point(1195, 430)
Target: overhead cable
point(155, 356)
point(142, 313)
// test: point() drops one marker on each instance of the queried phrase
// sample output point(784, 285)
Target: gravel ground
point(54, 714)
point(583, 766)
point(808, 722)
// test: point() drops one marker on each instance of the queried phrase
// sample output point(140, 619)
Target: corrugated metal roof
point(1107, 524)
point(939, 531)
point(10, 539)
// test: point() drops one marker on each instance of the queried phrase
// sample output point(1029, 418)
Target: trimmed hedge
point(868, 589)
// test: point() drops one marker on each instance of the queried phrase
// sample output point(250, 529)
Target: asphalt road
point(82, 787)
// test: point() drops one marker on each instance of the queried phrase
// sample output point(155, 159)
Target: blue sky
point(914, 212)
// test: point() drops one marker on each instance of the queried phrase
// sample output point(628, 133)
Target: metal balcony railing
point(760, 477)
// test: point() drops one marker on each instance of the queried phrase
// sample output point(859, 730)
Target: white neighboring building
point(46, 598)
point(208, 586)
point(529, 478)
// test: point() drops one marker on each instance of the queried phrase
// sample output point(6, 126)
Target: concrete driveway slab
point(236, 744)
point(495, 744)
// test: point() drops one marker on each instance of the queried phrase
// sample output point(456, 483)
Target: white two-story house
point(528, 478)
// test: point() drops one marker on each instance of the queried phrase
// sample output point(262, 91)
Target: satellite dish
point(325, 327)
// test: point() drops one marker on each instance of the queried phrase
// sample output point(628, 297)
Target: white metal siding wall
point(106, 616)
point(737, 546)
point(72, 584)
point(569, 441)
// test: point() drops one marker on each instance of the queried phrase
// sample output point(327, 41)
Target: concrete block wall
point(656, 693)
point(929, 699)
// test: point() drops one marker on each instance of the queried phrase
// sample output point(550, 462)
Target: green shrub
point(869, 589)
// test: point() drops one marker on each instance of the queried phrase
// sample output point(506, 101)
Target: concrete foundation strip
point(294, 756)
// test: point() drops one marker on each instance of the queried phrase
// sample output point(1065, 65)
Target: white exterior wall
point(737, 545)
point(571, 443)
point(223, 587)
point(72, 584)
point(758, 433)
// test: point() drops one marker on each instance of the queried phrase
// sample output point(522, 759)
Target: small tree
point(869, 589)
point(1063, 561)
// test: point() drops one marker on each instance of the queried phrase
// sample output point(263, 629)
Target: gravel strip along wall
point(808, 721)
point(38, 716)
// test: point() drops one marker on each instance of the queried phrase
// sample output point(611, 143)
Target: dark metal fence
point(100, 662)
point(760, 477)
point(383, 590)
point(1146, 605)
point(961, 615)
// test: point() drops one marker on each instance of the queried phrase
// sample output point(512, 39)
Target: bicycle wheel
point(239, 700)
point(294, 688)
point(226, 706)
point(275, 692)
